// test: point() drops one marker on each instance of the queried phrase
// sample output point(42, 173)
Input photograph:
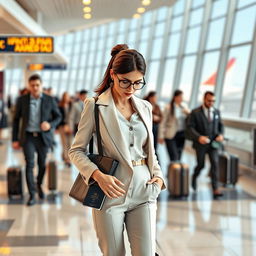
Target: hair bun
point(118, 48)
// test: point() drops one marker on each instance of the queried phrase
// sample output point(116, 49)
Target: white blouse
point(180, 117)
point(135, 134)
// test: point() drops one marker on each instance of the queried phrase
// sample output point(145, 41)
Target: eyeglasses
point(125, 84)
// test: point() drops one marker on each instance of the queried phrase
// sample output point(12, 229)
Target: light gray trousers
point(137, 214)
point(140, 223)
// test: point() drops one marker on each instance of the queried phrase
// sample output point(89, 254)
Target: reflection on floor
point(196, 225)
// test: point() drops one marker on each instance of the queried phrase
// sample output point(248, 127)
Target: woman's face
point(66, 97)
point(153, 99)
point(121, 81)
point(179, 99)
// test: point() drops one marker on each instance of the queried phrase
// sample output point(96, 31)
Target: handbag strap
point(97, 128)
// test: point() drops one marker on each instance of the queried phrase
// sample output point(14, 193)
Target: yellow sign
point(26, 44)
point(35, 67)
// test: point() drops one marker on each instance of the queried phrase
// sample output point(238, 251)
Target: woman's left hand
point(158, 180)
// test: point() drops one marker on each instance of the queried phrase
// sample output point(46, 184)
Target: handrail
point(239, 123)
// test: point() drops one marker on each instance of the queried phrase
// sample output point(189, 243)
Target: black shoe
point(194, 186)
point(40, 192)
point(31, 201)
point(217, 194)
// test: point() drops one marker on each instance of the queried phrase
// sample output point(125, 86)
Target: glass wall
point(169, 38)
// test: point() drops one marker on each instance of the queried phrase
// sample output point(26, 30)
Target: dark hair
point(123, 61)
point(175, 94)
point(82, 92)
point(150, 94)
point(62, 100)
point(208, 93)
point(35, 77)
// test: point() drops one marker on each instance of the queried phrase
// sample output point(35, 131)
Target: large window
point(196, 17)
point(234, 84)
point(253, 114)
point(157, 47)
point(179, 7)
point(168, 78)
point(244, 25)
point(215, 33)
point(88, 52)
point(219, 8)
point(173, 45)
point(159, 30)
point(152, 76)
point(187, 76)
point(176, 24)
point(193, 40)
point(245, 2)
point(209, 74)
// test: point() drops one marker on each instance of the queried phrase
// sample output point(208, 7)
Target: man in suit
point(205, 128)
point(38, 115)
point(76, 111)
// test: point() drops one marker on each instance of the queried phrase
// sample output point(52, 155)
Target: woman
point(173, 126)
point(157, 115)
point(126, 130)
point(63, 128)
point(3, 117)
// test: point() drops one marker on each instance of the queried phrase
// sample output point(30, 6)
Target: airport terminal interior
point(191, 45)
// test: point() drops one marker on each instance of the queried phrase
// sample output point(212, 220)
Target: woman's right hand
point(110, 185)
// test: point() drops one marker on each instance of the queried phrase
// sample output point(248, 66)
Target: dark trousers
point(201, 151)
point(32, 145)
point(175, 146)
point(155, 133)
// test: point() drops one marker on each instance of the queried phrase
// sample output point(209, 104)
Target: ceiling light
point(141, 10)
point(87, 9)
point(87, 1)
point(136, 15)
point(87, 16)
point(146, 2)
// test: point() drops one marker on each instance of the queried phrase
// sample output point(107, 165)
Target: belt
point(142, 161)
point(34, 134)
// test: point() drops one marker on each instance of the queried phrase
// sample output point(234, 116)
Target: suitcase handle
point(181, 179)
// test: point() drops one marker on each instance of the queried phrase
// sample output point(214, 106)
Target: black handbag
point(92, 195)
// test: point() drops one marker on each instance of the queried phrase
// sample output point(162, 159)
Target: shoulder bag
point(92, 195)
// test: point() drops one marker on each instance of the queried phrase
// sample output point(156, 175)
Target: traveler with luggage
point(64, 128)
point(157, 115)
point(38, 115)
point(205, 128)
point(76, 110)
point(171, 130)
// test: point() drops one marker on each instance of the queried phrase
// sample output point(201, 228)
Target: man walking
point(38, 115)
point(205, 128)
point(76, 111)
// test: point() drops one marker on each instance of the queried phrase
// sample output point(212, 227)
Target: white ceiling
point(60, 16)
point(42, 17)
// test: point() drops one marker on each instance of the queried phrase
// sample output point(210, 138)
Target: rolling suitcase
point(14, 181)
point(228, 168)
point(178, 179)
point(52, 175)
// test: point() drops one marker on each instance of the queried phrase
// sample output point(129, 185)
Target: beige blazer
point(169, 125)
point(112, 138)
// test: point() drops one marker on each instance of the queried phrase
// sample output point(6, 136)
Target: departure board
point(26, 44)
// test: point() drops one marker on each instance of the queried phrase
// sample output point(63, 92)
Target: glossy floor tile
point(193, 226)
